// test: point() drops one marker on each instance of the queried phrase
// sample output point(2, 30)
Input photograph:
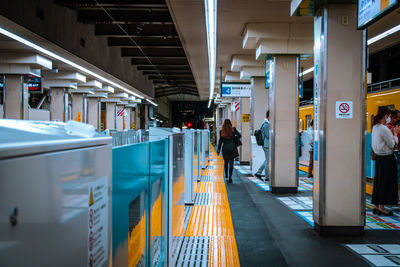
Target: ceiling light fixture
point(151, 102)
point(72, 64)
point(383, 35)
point(307, 71)
point(211, 24)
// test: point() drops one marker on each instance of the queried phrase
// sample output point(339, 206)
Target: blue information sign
point(370, 11)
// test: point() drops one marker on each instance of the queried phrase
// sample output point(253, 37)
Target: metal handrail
point(385, 85)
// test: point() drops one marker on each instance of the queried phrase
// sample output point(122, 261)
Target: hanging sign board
point(344, 109)
point(369, 11)
point(236, 90)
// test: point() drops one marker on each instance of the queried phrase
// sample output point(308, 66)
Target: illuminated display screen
point(34, 84)
point(370, 11)
point(267, 74)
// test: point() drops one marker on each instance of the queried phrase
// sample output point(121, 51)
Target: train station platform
point(277, 230)
point(211, 221)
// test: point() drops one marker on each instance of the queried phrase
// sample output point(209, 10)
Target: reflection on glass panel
point(155, 220)
point(137, 231)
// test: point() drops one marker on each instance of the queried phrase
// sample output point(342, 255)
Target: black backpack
point(258, 135)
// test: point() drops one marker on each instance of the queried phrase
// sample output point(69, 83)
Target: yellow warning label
point(78, 118)
point(245, 117)
point(91, 201)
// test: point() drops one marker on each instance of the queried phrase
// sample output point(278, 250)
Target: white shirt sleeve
point(387, 136)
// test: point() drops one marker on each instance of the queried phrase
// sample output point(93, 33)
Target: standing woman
point(229, 147)
point(385, 191)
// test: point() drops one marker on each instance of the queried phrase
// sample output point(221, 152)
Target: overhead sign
point(369, 11)
point(344, 109)
point(236, 90)
point(235, 106)
point(245, 117)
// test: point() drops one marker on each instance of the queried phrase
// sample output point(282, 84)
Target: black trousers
point(228, 165)
point(385, 181)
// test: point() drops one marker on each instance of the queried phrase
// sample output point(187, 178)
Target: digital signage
point(369, 11)
point(34, 84)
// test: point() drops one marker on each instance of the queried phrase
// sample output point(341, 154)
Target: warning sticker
point(344, 109)
point(98, 223)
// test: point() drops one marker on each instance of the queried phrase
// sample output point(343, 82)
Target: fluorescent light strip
point(211, 23)
point(72, 64)
point(383, 35)
point(209, 103)
point(307, 71)
point(151, 102)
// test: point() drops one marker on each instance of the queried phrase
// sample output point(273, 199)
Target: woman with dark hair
point(385, 191)
point(227, 141)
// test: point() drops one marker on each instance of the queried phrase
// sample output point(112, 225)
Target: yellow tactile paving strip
point(215, 220)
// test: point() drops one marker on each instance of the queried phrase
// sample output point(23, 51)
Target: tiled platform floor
point(211, 216)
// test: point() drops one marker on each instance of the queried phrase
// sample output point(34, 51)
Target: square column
point(110, 115)
point(16, 97)
point(120, 119)
point(58, 104)
point(93, 112)
point(283, 101)
point(258, 109)
point(77, 107)
point(258, 102)
point(127, 119)
point(339, 179)
point(244, 150)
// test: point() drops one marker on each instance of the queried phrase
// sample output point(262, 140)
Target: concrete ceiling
point(189, 18)
point(233, 16)
point(146, 34)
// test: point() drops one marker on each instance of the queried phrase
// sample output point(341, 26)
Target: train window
point(301, 125)
point(308, 120)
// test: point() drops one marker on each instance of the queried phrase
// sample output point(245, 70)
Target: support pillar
point(93, 115)
point(127, 119)
point(16, 97)
point(339, 179)
point(77, 107)
point(58, 104)
point(245, 130)
point(258, 102)
point(258, 109)
point(120, 119)
point(283, 101)
point(110, 115)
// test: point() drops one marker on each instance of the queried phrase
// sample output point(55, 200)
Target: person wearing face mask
point(384, 140)
point(394, 120)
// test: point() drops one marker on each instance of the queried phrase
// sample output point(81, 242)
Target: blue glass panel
point(129, 193)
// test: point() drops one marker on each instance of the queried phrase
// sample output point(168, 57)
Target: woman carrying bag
point(385, 190)
point(229, 140)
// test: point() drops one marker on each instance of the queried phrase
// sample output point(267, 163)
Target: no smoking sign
point(344, 109)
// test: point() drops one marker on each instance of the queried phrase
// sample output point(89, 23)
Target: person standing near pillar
point(229, 148)
point(385, 190)
point(265, 137)
point(394, 120)
point(311, 150)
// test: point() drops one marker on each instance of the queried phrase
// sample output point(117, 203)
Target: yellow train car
point(389, 98)
point(306, 115)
